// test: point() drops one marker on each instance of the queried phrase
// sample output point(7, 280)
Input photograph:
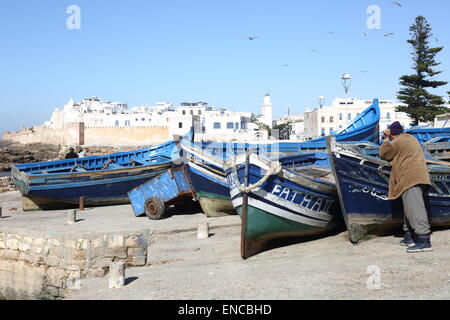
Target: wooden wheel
point(154, 208)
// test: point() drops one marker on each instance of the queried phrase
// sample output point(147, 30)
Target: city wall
point(77, 134)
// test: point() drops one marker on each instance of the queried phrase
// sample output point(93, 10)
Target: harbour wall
point(78, 134)
point(43, 265)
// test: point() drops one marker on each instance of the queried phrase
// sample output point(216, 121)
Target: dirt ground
point(183, 267)
point(325, 268)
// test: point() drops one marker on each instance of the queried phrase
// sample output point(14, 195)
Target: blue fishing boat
point(365, 127)
point(424, 134)
point(362, 181)
point(101, 180)
point(206, 162)
point(293, 197)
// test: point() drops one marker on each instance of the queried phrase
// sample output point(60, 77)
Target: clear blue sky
point(143, 51)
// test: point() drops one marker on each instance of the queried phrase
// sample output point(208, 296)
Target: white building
point(297, 126)
point(96, 113)
point(329, 119)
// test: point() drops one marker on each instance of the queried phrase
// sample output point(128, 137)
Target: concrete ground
point(184, 267)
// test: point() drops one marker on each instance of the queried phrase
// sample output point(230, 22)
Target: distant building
point(329, 119)
point(296, 124)
point(266, 112)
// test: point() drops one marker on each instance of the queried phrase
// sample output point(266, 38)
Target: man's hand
point(387, 134)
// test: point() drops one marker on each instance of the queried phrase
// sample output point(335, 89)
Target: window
point(216, 125)
point(184, 112)
point(117, 123)
point(230, 125)
point(340, 116)
point(388, 115)
point(180, 125)
point(199, 112)
point(127, 123)
point(192, 112)
point(323, 119)
point(331, 119)
point(143, 119)
point(137, 119)
point(349, 116)
point(236, 126)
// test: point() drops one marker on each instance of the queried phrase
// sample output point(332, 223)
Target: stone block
point(53, 261)
point(138, 261)
point(102, 262)
point(137, 251)
point(115, 241)
point(12, 244)
point(116, 253)
point(9, 254)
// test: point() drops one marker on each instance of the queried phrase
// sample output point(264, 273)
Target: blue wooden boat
point(424, 134)
point(292, 197)
point(365, 127)
point(205, 165)
point(362, 180)
point(102, 180)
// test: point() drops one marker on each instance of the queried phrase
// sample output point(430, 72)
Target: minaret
point(266, 109)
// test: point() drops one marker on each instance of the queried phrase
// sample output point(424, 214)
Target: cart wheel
point(154, 208)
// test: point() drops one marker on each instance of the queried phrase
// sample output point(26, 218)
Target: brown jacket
point(409, 168)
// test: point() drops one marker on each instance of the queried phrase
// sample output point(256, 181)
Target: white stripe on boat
point(270, 209)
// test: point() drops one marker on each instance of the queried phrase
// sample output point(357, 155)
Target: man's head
point(396, 128)
point(79, 149)
point(71, 149)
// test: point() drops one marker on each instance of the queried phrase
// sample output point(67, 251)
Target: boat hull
point(285, 205)
point(99, 189)
point(363, 190)
point(211, 188)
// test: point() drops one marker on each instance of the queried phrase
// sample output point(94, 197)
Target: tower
point(266, 109)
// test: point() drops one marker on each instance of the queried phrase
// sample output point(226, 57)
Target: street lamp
point(321, 101)
point(346, 82)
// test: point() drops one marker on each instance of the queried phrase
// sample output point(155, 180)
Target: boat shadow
point(285, 242)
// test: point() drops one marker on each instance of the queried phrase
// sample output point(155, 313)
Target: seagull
point(313, 50)
point(251, 38)
point(285, 65)
point(389, 34)
point(364, 34)
point(395, 3)
point(330, 32)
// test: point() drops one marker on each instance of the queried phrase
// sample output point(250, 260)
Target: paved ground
point(187, 268)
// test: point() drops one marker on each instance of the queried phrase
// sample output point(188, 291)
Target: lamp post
point(346, 83)
point(321, 101)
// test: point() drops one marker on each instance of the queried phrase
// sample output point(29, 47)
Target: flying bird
point(364, 34)
point(313, 50)
point(363, 71)
point(389, 34)
point(330, 32)
point(285, 65)
point(396, 3)
point(251, 38)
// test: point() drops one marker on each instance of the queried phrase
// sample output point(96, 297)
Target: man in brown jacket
point(409, 177)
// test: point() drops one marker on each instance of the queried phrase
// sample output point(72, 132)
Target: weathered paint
point(171, 186)
point(362, 183)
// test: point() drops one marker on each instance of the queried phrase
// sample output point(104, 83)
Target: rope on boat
point(275, 168)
